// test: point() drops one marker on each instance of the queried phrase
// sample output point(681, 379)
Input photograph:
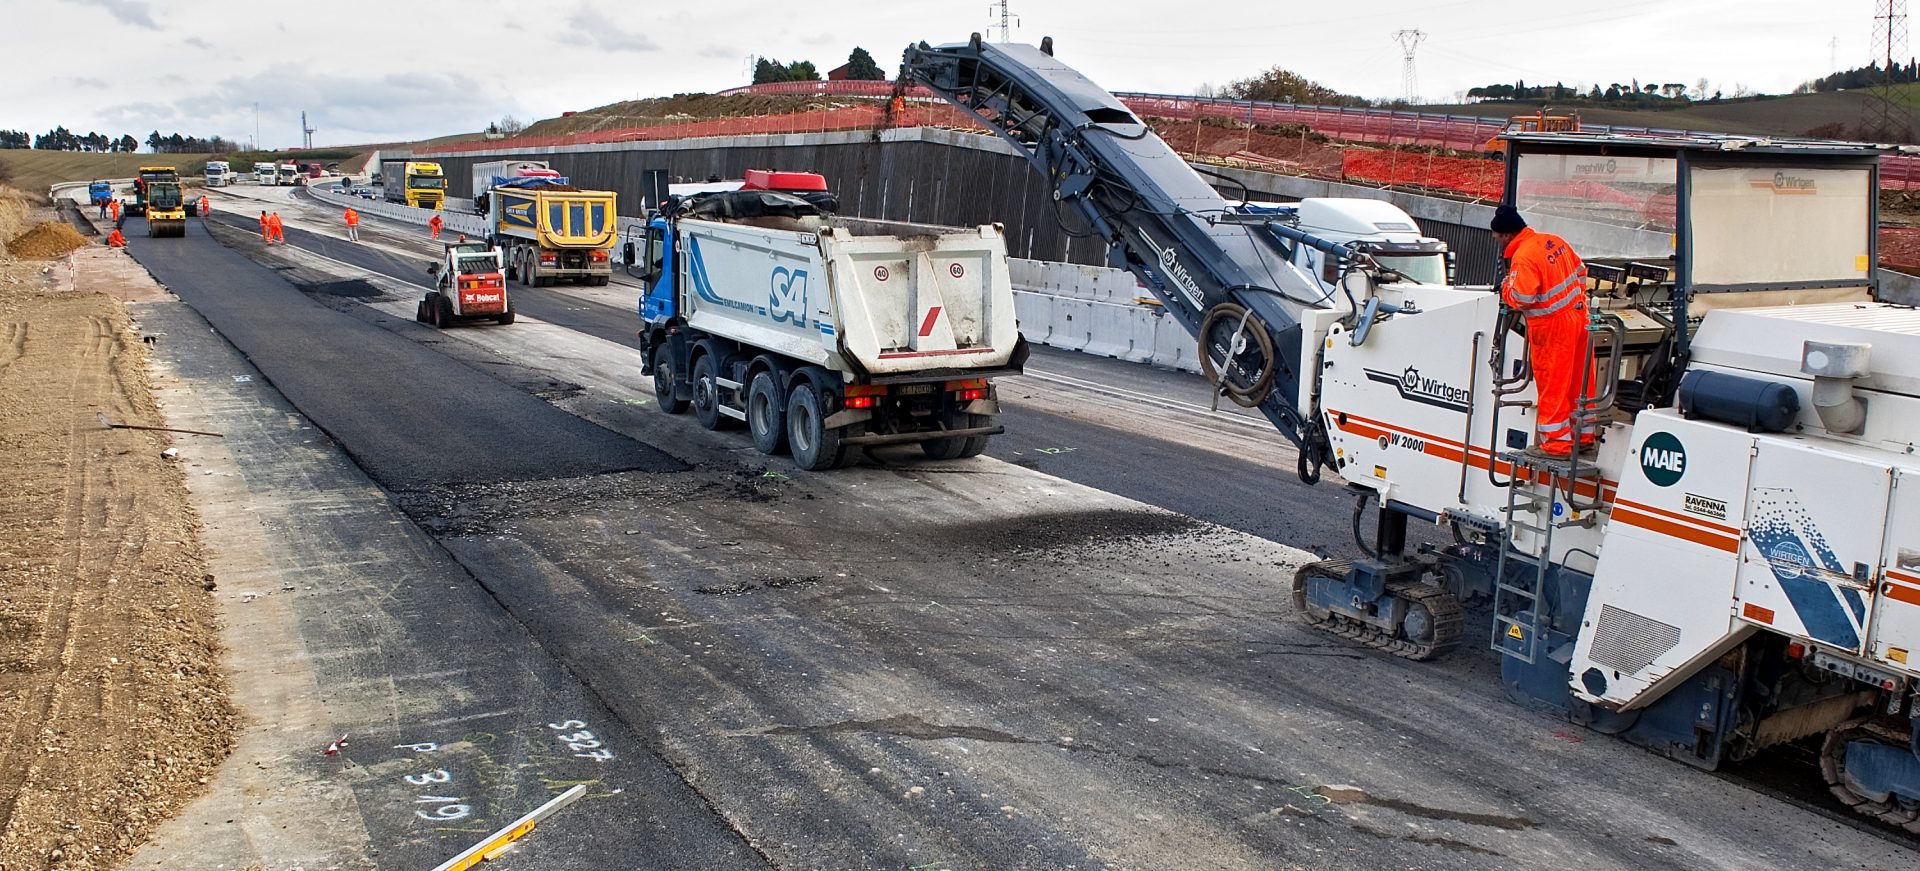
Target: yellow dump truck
point(548, 230)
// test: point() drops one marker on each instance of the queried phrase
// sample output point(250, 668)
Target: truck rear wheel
point(766, 413)
point(666, 383)
point(706, 392)
point(957, 448)
point(815, 448)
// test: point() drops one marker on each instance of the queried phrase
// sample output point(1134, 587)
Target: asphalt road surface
point(978, 665)
point(409, 415)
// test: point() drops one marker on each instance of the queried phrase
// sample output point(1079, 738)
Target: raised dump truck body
point(827, 335)
point(547, 231)
point(143, 186)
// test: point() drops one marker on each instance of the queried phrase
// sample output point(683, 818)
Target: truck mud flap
point(902, 438)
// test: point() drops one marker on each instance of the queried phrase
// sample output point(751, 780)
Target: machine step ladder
point(1541, 489)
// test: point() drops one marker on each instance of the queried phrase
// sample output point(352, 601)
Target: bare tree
point(510, 125)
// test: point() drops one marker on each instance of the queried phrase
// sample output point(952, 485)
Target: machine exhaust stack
point(1834, 366)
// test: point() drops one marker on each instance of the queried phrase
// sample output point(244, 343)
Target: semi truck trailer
point(824, 335)
point(486, 175)
point(547, 231)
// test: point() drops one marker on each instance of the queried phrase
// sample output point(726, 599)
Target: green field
point(34, 171)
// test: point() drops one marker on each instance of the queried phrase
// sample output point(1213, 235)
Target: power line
point(1007, 21)
point(1409, 80)
point(1884, 117)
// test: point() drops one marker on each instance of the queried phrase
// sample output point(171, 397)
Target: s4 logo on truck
point(787, 301)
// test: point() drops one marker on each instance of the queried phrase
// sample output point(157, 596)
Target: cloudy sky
point(368, 72)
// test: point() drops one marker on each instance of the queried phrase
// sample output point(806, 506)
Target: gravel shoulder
point(113, 703)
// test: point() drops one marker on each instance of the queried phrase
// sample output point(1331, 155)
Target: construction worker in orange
point(434, 224)
point(115, 240)
point(353, 225)
point(276, 229)
point(206, 205)
point(266, 228)
point(113, 208)
point(1547, 283)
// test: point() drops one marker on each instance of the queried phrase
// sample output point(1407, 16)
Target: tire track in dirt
point(56, 655)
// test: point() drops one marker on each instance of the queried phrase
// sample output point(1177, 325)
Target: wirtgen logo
point(1426, 391)
point(1784, 183)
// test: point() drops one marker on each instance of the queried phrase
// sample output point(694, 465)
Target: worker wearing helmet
point(1547, 283)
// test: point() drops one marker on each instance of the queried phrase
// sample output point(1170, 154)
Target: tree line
point(860, 66)
point(1864, 77)
point(62, 139)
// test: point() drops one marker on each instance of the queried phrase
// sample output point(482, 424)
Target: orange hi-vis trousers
point(1559, 350)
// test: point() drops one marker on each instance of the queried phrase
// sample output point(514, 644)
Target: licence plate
point(908, 389)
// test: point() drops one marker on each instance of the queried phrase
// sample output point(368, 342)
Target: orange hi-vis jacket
point(1544, 276)
point(1547, 282)
point(353, 218)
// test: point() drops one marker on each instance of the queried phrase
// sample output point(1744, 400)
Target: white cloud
point(134, 12)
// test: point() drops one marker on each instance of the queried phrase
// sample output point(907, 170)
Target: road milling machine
point(1736, 567)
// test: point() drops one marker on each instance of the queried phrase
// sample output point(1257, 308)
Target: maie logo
point(1663, 459)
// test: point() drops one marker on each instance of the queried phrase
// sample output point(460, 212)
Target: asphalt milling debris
point(411, 415)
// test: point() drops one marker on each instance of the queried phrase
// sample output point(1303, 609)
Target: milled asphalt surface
point(966, 665)
point(1240, 494)
point(409, 415)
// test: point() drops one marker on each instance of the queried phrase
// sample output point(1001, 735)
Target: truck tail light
point(969, 389)
point(863, 395)
point(549, 257)
point(598, 255)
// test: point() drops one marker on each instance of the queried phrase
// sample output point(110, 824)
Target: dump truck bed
point(555, 219)
point(886, 300)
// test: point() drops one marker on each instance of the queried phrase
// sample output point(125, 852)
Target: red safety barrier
point(1465, 133)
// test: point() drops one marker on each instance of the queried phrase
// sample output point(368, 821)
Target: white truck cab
point(1376, 227)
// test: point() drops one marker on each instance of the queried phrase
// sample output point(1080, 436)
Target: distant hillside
point(1794, 115)
point(34, 171)
point(683, 107)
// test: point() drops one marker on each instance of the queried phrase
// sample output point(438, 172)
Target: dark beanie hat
point(1507, 220)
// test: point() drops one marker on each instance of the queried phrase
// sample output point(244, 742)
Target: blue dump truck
point(99, 193)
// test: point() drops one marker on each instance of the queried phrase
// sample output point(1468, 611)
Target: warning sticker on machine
point(1705, 507)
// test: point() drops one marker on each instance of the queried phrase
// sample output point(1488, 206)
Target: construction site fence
point(1898, 171)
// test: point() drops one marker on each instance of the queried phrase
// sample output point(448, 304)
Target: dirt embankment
point(113, 700)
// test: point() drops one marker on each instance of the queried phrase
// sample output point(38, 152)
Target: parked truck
point(414, 183)
point(826, 335)
point(286, 174)
point(218, 174)
point(1377, 228)
point(1539, 122)
point(263, 173)
point(548, 231)
point(486, 175)
point(100, 192)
